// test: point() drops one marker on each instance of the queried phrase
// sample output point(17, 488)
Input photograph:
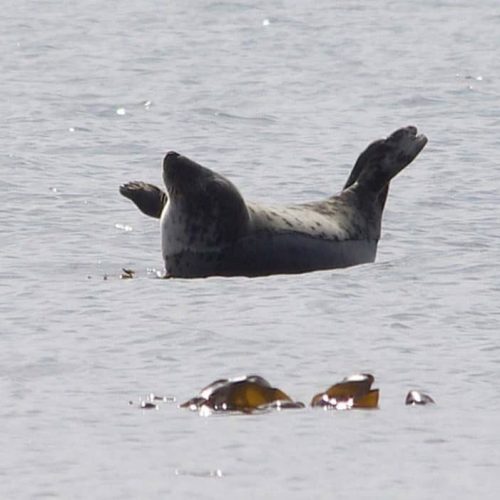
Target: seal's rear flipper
point(384, 159)
point(149, 199)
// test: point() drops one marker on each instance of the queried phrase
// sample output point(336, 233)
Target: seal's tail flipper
point(384, 159)
point(149, 199)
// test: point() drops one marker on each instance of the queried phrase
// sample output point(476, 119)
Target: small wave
point(232, 116)
point(123, 227)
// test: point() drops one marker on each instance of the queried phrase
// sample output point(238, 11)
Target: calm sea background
point(281, 97)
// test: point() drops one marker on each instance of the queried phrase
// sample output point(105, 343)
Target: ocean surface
point(281, 97)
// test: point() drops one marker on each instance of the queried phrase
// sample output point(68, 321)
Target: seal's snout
point(170, 157)
point(170, 162)
point(421, 140)
point(408, 139)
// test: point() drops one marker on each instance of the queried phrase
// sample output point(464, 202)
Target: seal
point(208, 229)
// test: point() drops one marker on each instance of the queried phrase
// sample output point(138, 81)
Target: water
point(281, 97)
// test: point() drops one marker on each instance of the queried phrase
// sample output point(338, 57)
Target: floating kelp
point(418, 398)
point(127, 274)
point(244, 394)
point(254, 393)
point(353, 392)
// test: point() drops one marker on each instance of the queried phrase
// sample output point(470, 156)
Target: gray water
point(280, 97)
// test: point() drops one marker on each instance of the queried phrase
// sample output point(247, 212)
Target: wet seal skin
point(208, 229)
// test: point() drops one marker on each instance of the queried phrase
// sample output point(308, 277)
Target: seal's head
point(210, 207)
point(184, 177)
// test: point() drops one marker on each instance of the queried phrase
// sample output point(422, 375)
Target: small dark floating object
point(353, 392)
point(418, 398)
point(244, 394)
point(127, 274)
point(148, 405)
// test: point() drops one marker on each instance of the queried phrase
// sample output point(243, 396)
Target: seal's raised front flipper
point(149, 199)
point(384, 159)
